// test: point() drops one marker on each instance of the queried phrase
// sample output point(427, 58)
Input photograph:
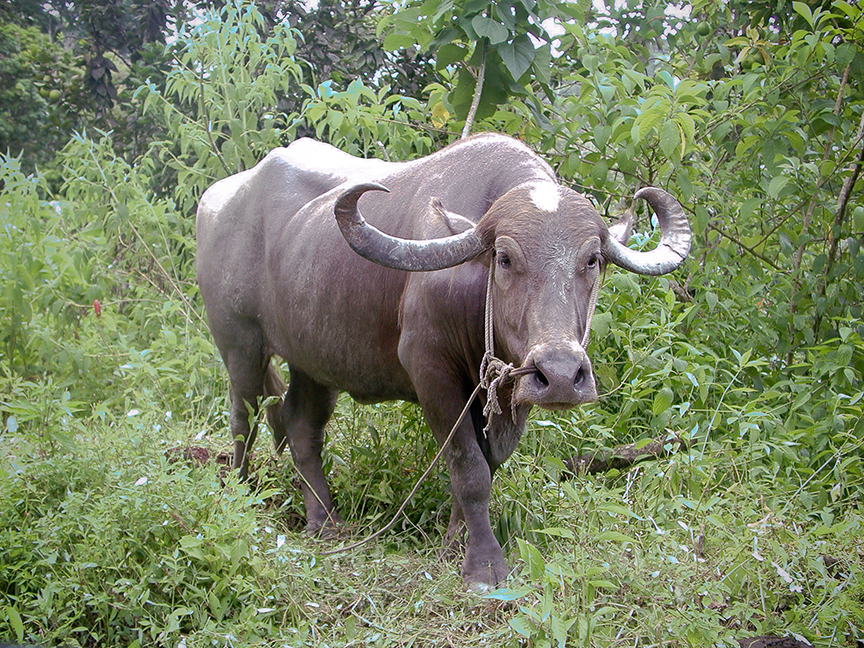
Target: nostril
point(580, 377)
point(540, 378)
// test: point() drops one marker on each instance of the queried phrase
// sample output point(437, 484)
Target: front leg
point(440, 346)
point(471, 485)
point(442, 398)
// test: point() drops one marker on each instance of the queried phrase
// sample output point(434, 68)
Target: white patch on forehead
point(545, 196)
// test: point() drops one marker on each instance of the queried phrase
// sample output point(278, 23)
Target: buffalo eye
point(592, 262)
point(503, 260)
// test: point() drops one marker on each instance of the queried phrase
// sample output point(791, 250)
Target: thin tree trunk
point(837, 105)
point(843, 200)
point(478, 90)
point(834, 235)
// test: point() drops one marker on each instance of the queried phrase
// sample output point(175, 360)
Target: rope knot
point(493, 372)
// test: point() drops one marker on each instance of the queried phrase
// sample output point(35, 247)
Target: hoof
point(485, 577)
point(327, 529)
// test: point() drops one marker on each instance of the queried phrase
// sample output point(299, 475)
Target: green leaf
point(397, 40)
point(543, 64)
point(670, 139)
point(616, 509)
point(485, 27)
point(507, 594)
point(662, 401)
point(443, 38)
point(845, 54)
point(519, 627)
point(505, 13)
point(560, 628)
point(645, 122)
point(15, 622)
point(803, 10)
point(850, 10)
point(776, 185)
point(517, 56)
point(749, 206)
point(437, 9)
point(558, 532)
point(449, 54)
point(599, 172)
point(743, 358)
point(858, 217)
point(667, 78)
point(192, 546)
point(607, 92)
point(532, 557)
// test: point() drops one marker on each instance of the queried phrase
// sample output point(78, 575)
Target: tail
point(275, 386)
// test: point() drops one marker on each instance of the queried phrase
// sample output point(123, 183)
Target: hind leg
point(246, 364)
point(305, 412)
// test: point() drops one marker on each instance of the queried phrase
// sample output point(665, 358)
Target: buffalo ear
point(486, 228)
point(454, 222)
point(486, 257)
point(621, 230)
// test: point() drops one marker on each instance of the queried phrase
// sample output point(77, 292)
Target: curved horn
point(392, 252)
point(674, 239)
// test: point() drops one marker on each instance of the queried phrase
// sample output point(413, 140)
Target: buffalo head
point(547, 247)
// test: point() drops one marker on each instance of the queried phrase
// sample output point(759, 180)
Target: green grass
point(112, 545)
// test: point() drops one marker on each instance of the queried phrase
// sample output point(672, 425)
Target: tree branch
point(762, 258)
point(809, 214)
point(839, 220)
point(843, 200)
point(624, 456)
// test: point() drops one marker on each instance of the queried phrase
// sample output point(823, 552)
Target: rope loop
point(494, 371)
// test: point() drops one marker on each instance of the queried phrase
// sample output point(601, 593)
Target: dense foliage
point(752, 113)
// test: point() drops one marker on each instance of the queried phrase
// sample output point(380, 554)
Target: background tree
point(489, 51)
point(110, 49)
point(31, 114)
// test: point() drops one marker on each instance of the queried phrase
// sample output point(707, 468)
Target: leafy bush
point(116, 547)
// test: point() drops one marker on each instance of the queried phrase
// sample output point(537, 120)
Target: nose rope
point(592, 304)
point(494, 371)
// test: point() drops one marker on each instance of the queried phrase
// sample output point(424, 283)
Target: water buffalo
point(278, 278)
